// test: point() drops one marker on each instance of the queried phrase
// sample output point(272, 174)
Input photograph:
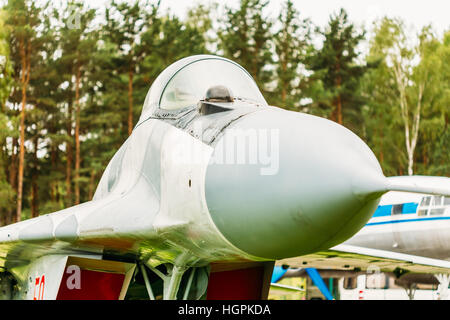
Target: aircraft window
point(433, 205)
point(189, 85)
point(437, 211)
point(377, 281)
point(350, 283)
point(391, 283)
point(438, 200)
point(397, 209)
point(446, 201)
point(425, 201)
point(422, 212)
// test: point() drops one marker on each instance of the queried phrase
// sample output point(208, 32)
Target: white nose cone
point(314, 184)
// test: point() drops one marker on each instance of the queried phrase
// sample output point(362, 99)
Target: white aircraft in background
point(407, 223)
point(411, 223)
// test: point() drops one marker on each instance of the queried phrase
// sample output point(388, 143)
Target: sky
point(416, 13)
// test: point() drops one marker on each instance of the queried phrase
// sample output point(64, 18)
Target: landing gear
point(179, 282)
point(411, 290)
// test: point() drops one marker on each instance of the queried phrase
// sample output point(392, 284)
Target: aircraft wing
point(353, 258)
point(115, 222)
point(285, 288)
point(420, 184)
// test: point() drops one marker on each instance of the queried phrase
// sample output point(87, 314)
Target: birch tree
point(414, 71)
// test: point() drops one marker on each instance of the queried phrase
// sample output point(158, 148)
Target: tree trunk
point(34, 184)
point(339, 99)
point(411, 134)
point(410, 163)
point(53, 155)
point(77, 135)
point(13, 177)
point(21, 156)
point(13, 165)
point(333, 114)
point(25, 78)
point(425, 156)
point(339, 109)
point(69, 157)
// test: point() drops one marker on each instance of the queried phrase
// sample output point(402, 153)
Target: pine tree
point(246, 39)
point(167, 40)
point(44, 118)
point(336, 68)
point(202, 17)
point(78, 47)
point(291, 47)
point(178, 40)
point(23, 18)
point(71, 86)
point(125, 23)
point(7, 193)
point(5, 63)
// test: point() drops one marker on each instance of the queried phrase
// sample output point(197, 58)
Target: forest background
point(73, 80)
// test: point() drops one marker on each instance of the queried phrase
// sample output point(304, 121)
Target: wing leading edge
point(420, 184)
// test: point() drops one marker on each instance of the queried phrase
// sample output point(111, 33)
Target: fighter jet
point(212, 186)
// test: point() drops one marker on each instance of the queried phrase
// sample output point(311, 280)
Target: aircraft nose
point(281, 184)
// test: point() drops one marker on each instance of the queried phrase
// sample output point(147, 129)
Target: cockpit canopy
point(187, 81)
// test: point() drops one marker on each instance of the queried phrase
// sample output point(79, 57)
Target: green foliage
point(91, 70)
point(199, 17)
point(292, 46)
point(407, 96)
point(245, 38)
point(335, 65)
point(5, 63)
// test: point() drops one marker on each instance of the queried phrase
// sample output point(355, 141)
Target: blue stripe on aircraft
point(383, 211)
point(410, 207)
point(407, 220)
point(386, 210)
